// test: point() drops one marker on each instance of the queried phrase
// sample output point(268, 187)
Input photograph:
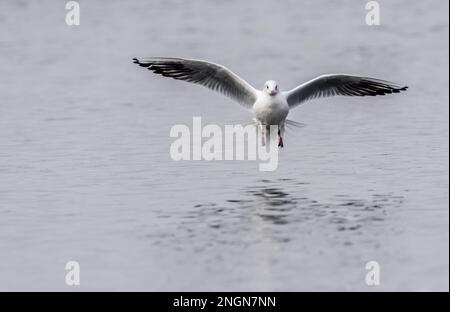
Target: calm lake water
point(85, 171)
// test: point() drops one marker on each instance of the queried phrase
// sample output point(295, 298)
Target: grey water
point(86, 175)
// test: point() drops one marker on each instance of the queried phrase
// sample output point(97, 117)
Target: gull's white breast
point(271, 110)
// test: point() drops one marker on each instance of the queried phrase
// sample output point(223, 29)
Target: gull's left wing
point(340, 84)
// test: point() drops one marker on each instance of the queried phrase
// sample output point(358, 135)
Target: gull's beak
point(272, 92)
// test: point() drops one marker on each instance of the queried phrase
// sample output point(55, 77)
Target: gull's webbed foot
point(280, 142)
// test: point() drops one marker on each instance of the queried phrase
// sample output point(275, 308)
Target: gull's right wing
point(210, 75)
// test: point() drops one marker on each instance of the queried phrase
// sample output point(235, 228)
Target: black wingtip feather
point(136, 61)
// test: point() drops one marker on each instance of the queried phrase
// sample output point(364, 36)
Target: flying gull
point(270, 105)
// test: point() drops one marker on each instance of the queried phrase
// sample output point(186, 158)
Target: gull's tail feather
point(295, 124)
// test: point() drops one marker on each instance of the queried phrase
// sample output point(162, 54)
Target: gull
point(270, 106)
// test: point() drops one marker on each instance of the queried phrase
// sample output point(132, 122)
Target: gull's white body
point(269, 105)
point(271, 110)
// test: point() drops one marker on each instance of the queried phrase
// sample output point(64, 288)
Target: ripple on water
point(269, 212)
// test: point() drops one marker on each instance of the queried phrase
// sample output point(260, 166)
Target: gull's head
point(271, 87)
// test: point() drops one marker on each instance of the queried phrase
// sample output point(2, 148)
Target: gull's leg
point(280, 139)
point(267, 133)
point(263, 134)
point(280, 136)
point(280, 142)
